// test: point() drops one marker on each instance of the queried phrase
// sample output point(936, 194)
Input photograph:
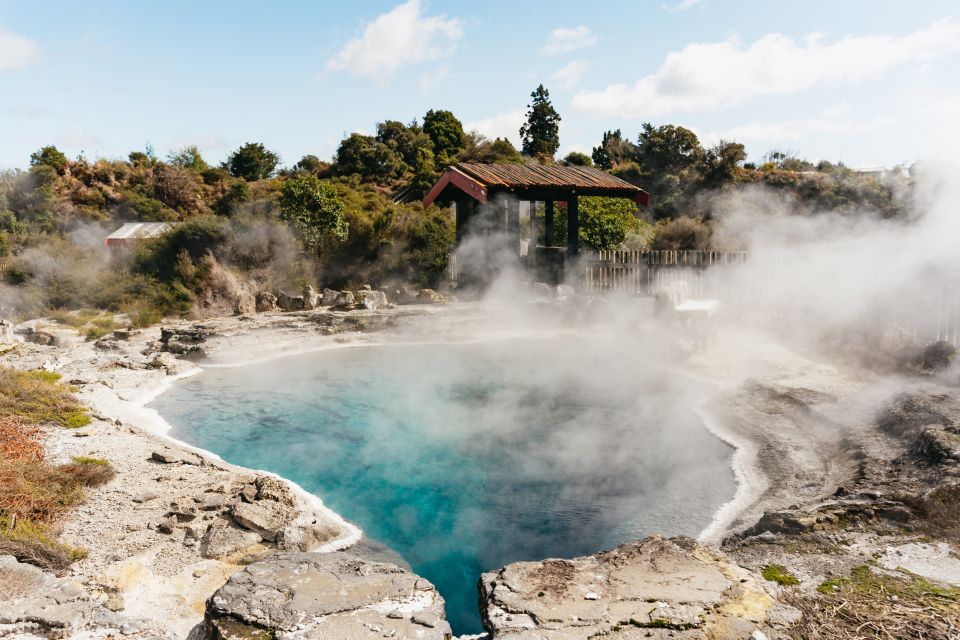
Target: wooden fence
point(647, 272)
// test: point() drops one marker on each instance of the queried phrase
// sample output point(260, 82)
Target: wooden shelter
point(488, 196)
point(133, 232)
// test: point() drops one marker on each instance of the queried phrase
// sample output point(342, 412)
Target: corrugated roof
point(542, 176)
point(139, 230)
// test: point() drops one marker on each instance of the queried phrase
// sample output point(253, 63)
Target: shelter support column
point(573, 226)
point(532, 246)
point(548, 223)
point(464, 209)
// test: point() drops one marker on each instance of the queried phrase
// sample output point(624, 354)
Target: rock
point(329, 297)
point(224, 539)
point(248, 493)
point(164, 457)
point(7, 335)
point(245, 304)
point(183, 340)
point(366, 287)
point(266, 301)
point(167, 525)
point(330, 595)
point(289, 303)
point(273, 488)
point(43, 338)
point(678, 586)
point(429, 296)
point(344, 299)
point(145, 497)
point(266, 517)
point(372, 299)
point(214, 502)
point(37, 604)
point(565, 291)
point(311, 299)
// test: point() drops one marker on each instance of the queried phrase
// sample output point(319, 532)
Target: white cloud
point(683, 5)
point(837, 119)
point(568, 76)
point(401, 37)
point(721, 74)
point(567, 40)
point(503, 125)
point(16, 52)
point(432, 80)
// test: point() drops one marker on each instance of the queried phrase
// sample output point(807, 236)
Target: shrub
point(681, 234)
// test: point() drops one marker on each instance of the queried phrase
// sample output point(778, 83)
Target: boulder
point(289, 303)
point(266, 301)
point(371, 299)
point(329, 297)
point(272, 488)
point(344, 299)
point(266, 517)
point(429, 296)
point(224, 539)
point(654, 588)
point(245, 305)
point(937, 356)
point(329, 595)
point(311, 299)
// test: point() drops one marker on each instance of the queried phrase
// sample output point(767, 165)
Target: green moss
point(89, 460)
point(779, 574)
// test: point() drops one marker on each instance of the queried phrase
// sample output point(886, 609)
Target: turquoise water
point(465, 457)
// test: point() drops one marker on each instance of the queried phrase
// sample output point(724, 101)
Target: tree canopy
point(540, 134)
point(314, 210)
point(252, 161)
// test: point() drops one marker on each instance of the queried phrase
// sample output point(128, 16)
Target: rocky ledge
point(305, 596)
point(654, 588)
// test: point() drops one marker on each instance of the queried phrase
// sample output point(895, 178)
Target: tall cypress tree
point(541, 132)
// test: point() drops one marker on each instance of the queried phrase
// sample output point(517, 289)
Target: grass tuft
point(38, 397)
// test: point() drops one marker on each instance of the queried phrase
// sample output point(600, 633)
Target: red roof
point(479, 180)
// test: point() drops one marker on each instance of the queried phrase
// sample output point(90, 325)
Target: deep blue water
point(465, 457)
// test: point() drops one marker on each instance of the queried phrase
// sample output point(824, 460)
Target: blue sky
point(869, 83)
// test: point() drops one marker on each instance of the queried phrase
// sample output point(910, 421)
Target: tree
point(577, 159)
point(369, 158)
point(668, 149)
point(189, 158)
point(541, 132)
point(252, 161)
point(480, 149)
point(446, 132)
point(606, 222)
point(314, 210)
point(613, 150)
point(50, 156)
point(310, 164)
point(721, 162)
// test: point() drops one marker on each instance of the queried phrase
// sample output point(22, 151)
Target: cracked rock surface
point(331, 595)
point(652, 588)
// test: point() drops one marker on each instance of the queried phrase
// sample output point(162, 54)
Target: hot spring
point(463, 457)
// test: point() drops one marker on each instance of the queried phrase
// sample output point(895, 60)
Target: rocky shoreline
point(183, 544)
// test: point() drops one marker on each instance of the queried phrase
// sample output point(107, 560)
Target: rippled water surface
point(465, 457)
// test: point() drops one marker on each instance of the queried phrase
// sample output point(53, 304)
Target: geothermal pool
point(465, 457)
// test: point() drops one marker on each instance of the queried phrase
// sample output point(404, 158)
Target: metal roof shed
point(135, 231)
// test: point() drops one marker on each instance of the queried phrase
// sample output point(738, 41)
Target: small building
point(132, 232)
point(488, 201)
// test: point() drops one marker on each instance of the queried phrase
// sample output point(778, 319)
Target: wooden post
point(532, 246)
point(548, 224)
point(513, 217)
point(573, 225)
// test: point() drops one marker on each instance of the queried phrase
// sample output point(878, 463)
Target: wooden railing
point(647, 272)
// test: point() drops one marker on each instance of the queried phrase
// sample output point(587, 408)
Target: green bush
point(682, 234)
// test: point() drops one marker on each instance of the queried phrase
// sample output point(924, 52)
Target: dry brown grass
point(869, 604)
point(18, 440)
